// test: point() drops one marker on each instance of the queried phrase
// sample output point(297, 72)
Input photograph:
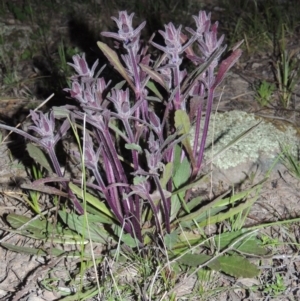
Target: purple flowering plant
point(140, 156)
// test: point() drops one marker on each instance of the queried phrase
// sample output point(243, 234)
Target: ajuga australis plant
point(135, 134)
point(127, 112)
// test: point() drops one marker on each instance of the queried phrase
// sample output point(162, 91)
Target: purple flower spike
point(203, 24)
point(44, 126)
point(89, 94)
point(76, 91)
point(173, 44)
point(126, 33)
point(81, 66)
point(120, 99)
point(211, 41)
point(172, 37)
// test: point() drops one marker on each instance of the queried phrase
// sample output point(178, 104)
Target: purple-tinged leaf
point(114, 60)
point(154, 75)
point(81, 67)
point(226, 65)
point(188, 50)
point(22, 133)
point(190, 81)
point(45, 189)
point(126, 33)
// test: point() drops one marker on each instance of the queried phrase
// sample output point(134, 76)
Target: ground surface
point(32, 50)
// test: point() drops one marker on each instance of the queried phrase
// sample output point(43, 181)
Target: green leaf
point(207, 214)
point(167, 174)
point(133, 146)
point(87, 294)
point(25, 250)
point(151, 86)
point(93, 201)
point(61, 112)
point(182, 122)
point(194, 203)
point(118, 86)
point(249, 245)
point(38, 156)
point(171, 239)
point(194, 260)
point(202, 211)
point(114, 60)
point(177, 157)
point(129, 241)
point(175, 206)
point(125, 238)
point(237, 266)
point(43, 230)
point(182, 173)
point(95, 231)
point(210, 220)
point(139, 179)
point(41, 252)
point(191, 185)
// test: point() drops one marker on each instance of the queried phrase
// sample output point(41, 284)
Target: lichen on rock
point(265, 139)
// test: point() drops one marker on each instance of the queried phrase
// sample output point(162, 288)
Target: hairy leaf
point(250, 245)
point(41, 252)
point(43, 230)
point(95, 231)
point(182, 174)
point(38, 156)
point(182, 122)
point(195, 75)
point(125, 237)
point(92, 200)
point(167, 174)
point(237, 266)
point(154, 75)
point(194, 260)
point(151, 86)
point(171, 239)
point(114, 60)
point(133, 146)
